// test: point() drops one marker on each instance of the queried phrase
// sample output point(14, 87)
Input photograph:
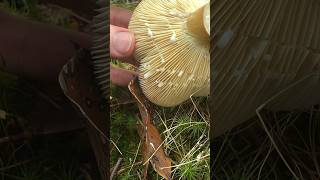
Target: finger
point(122, 44)
point(121, 77)
point(120, 17)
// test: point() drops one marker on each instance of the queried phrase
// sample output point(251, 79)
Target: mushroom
point(266, 55)
point(99, 50)
point(172, 47)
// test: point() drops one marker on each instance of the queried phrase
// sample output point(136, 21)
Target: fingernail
point(122, 42)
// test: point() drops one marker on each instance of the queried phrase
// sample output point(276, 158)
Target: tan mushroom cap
point(173, 49)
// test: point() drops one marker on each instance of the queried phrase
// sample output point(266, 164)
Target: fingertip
point(122, 43)
point(121, 77)
point(132, 43)
point(120, 16)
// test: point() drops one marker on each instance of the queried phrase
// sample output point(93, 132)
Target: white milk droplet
point(148, 74)
point(180, 73)
point(173, 38)
point(161, 69)
point(190, 77)
point(173, 12)
point(162, 59)
point(160, 84)
point(150, 34)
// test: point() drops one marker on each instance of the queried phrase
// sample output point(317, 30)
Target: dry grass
point(247, 152)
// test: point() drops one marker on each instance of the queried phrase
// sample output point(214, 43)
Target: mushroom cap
point(174, 62)
point(265, 55)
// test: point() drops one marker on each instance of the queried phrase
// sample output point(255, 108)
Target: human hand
point(122, 44)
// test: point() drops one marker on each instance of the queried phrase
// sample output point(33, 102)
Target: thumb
point(121, 42)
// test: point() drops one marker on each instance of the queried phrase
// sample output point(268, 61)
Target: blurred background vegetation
point(23, 154)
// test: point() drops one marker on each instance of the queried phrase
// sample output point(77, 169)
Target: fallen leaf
point(77, 84)
point(152, 149)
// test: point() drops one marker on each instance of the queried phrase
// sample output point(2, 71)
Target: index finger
point(120, 17)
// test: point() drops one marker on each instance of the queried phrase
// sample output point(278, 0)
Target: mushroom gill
point(266, 55)
point(172, 47)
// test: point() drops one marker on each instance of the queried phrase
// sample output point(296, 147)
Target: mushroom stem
point(198, 23)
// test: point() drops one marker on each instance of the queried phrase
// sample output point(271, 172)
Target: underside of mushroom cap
point(174, 59)
point(99, 50)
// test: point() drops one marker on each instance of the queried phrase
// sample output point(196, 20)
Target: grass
point(184, 130)
point(186, 136)
point(49, 14)
point(249, 154)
